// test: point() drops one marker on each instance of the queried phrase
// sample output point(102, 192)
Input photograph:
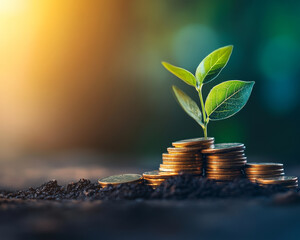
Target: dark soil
point(183, 207)
point(179, 187)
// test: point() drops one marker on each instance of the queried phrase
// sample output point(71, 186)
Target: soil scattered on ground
point(178, 187)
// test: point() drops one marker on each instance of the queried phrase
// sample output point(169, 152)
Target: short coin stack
point(254, 171)
point(284, 181)
point(185, 156)
point(225, 161)
point(119, 179)
point(155, 178)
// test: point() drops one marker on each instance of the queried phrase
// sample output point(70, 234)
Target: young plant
point(223, 101)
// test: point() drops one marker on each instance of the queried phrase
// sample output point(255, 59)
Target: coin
point(167, 174)
point(118, 179)
point(155, 181)
point(164, 169)
point(224, 147)
point(264, 165)
point(227, 164)
point(265, 176)
point(183, 167)
point(154, 175)
point(226, 154)
point(181, 155)
point(193, 141)
point(181, 162)
point(235, 160)
point(183, 159)
point(224, 171)
point(154, 184)
point(224, 157)
point(276, 180)
point(193, 171)
point(252, 172)
point(183, 150)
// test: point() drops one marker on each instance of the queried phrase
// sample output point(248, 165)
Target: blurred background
point(82, 85)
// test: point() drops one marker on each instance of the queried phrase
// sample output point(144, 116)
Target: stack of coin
point(155, 178)
point(225, 161)
point(254, 171)
point(284, 181)
point(119, 179)
point(185, 156)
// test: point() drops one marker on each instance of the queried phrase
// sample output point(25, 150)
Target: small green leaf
point(183, 74)
point(188, 105)
point(227, 98)
point(212, 65)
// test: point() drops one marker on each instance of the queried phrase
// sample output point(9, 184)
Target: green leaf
point(227, 98)
point(188, 105)
point(212, 65)
point(183, 74)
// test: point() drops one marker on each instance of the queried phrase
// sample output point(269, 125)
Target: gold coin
point(265, 176)
point(278, 180)
point(199, 147)
point(264, 165)
point(225, 158)
point(182, 159)
point(194, 171)
point(182, 155)
point(224, 147)
point(224, 170)
point(155, 181)
point(193, 141)
point(175, 167)
point(230, 164)
point(262, 172)
point(226, 154)
point(154, 175)
point(168, 174)
point(118, 179)
point(227, 161)
point(173, 150)
point(254, 177)
point(153, 184)
point(167, 162)
point(181, 168)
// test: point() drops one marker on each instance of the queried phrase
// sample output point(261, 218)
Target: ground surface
point(201, 219)
point(275, 217)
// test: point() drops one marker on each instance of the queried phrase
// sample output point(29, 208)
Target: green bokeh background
point(104, 89)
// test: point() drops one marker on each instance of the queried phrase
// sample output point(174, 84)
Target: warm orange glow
point(55, 70)
point(11, 6)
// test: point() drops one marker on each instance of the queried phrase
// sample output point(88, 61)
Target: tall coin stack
point(184, 157)
point(225, 161)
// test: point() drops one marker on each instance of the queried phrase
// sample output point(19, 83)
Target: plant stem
point(205, 131)
point(203, 111)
